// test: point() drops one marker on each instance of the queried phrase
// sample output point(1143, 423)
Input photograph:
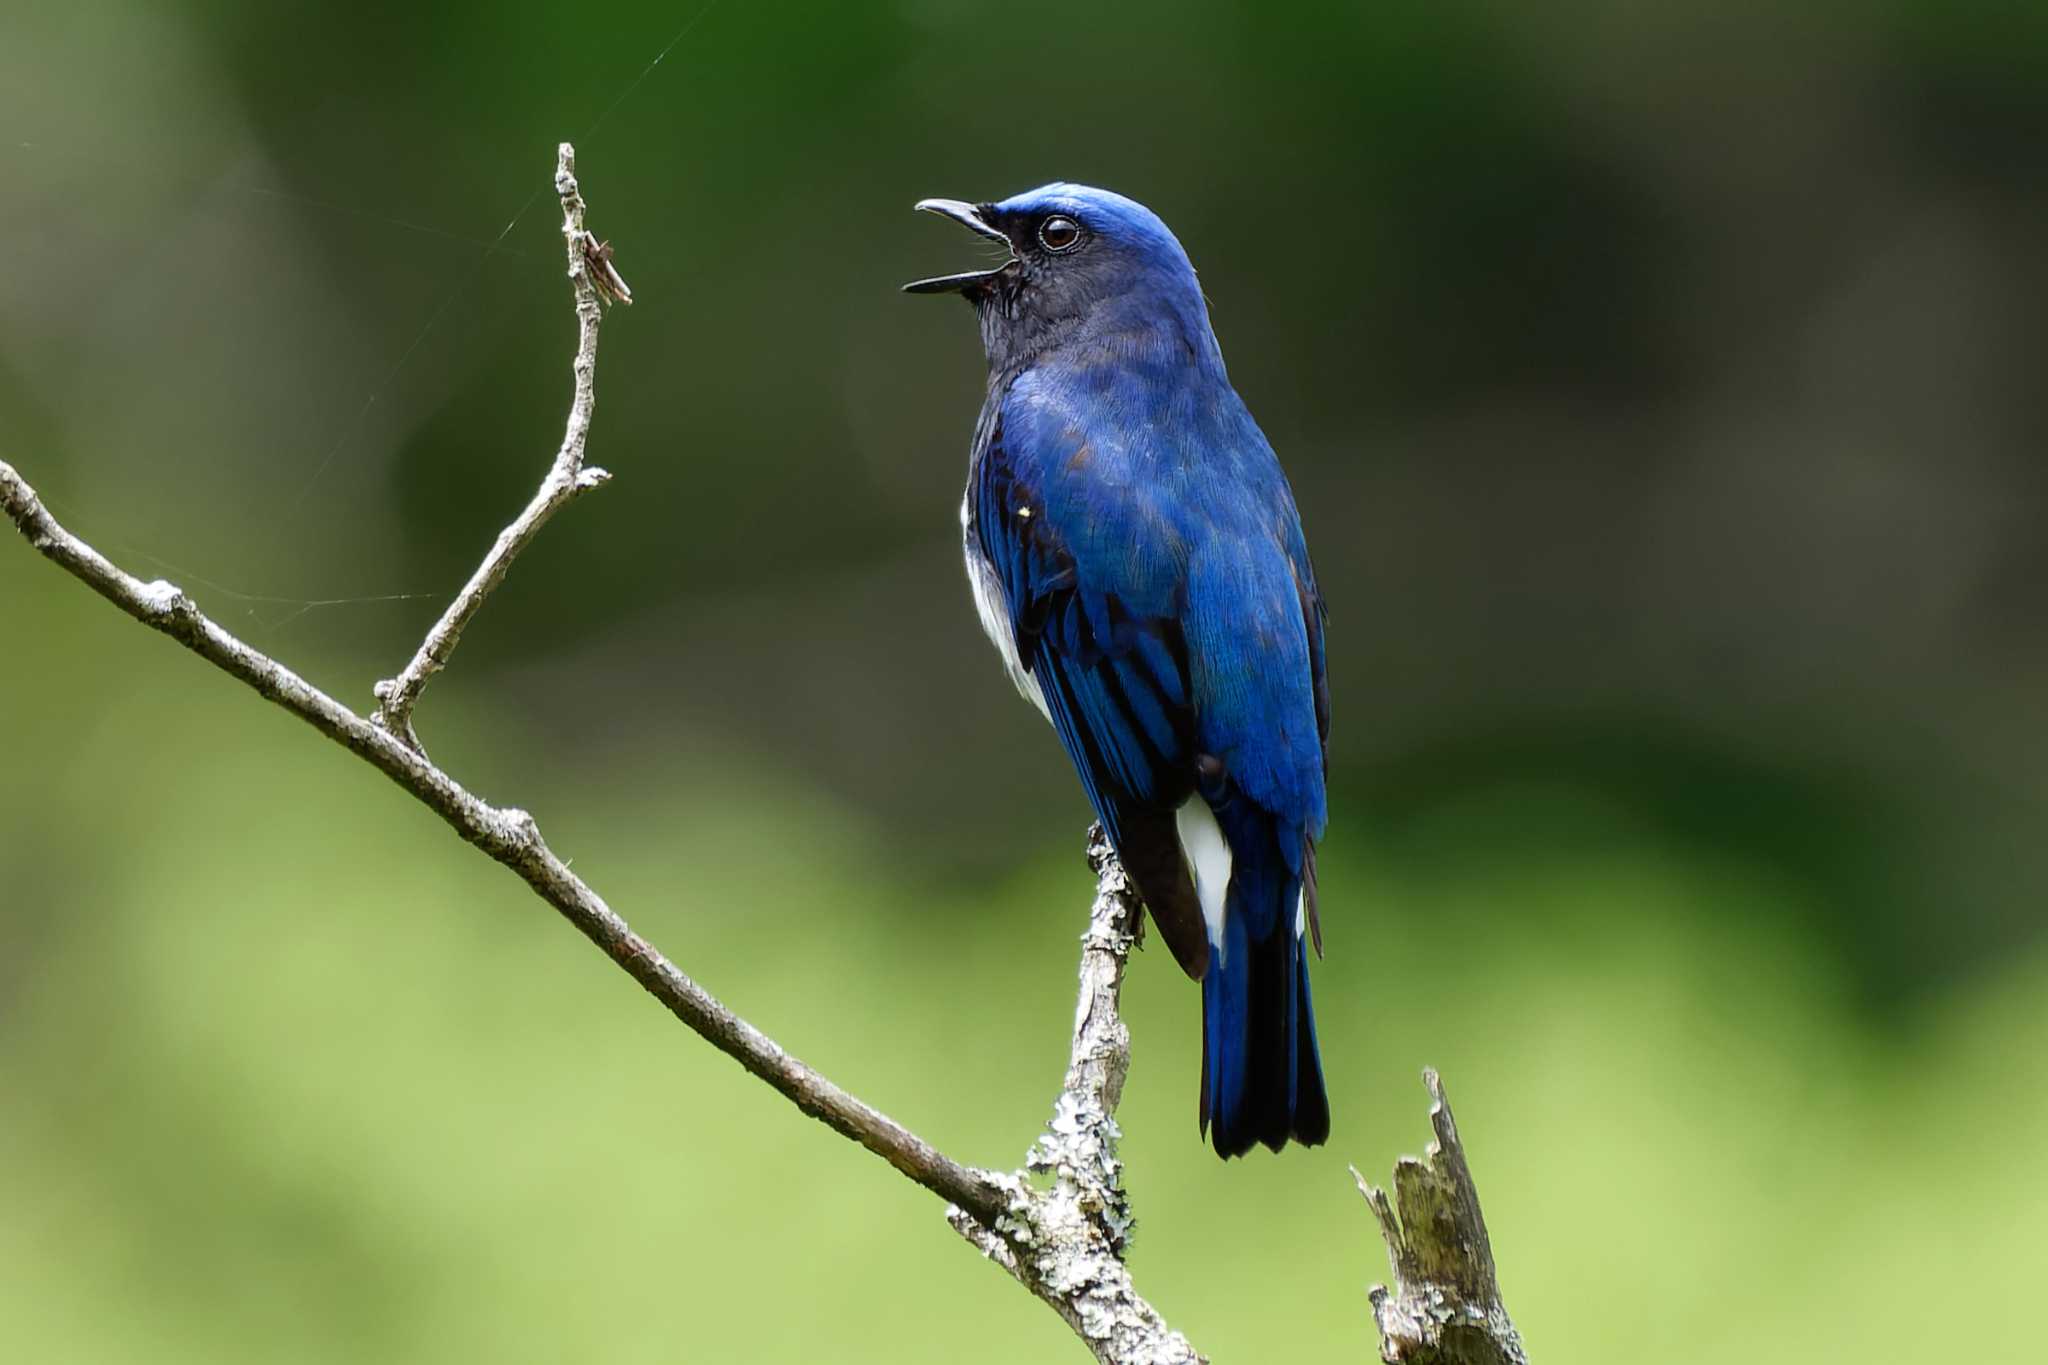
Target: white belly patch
point(1208, 858)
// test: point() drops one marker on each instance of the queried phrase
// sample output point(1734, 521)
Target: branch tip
point(592, 280)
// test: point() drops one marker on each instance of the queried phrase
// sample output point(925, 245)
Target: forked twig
point(594, 279)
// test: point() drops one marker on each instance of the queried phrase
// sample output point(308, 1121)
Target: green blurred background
point(1662, 389)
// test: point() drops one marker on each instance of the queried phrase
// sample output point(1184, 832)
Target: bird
point(1137, 560)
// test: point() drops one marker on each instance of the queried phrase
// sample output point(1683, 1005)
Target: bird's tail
point(1262, 1075)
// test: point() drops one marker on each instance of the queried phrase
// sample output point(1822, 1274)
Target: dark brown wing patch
point(1151, 854)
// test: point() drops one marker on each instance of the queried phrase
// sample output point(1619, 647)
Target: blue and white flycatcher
point(1138, 562)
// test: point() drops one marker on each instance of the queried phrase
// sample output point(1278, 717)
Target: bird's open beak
point(969, 217)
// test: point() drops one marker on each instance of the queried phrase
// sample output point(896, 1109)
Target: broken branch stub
point(1444, 1307)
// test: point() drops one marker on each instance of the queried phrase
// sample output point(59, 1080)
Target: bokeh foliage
point(1661, 391)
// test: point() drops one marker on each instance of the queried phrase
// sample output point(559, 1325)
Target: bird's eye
point(1059, 233)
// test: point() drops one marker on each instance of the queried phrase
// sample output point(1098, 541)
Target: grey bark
point(1065, 1238)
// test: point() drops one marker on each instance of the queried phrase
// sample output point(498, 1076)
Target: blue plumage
point(1138, 561)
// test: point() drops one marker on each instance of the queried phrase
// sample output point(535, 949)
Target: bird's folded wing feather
point(1110, 663)
point(1167, 609)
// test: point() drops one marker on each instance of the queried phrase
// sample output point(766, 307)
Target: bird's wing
point(1094, 603)
point(1254, 630)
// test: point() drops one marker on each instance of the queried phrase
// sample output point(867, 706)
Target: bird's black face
point(1056, 268)
point(1076, 261)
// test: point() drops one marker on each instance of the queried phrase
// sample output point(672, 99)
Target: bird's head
point(1075, 258)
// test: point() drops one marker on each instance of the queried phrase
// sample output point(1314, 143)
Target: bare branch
point(1445, 1306)
point(1066, 1243)
point(509, 835)
point(594, 279)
